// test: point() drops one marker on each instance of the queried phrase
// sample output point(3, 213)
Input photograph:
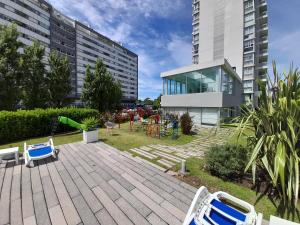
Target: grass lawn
point(263, 204)
point(123, 139)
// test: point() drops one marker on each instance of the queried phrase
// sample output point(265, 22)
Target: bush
point(186, 123)
point(227, 161)
point(25, 124)
point(90, 123)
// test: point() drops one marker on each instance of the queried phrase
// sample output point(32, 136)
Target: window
point(249, 32)
point(209, 116)
point(248, 71)
point(248, 86)
point(227, 84)
point(249, 17)
point(249, 46)
point(248, 59)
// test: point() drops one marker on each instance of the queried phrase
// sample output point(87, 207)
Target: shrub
point(227, 161)
point(90, 123)
point(186, 123)
point(24, 124)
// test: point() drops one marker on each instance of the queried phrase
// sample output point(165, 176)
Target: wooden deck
point(91, 184)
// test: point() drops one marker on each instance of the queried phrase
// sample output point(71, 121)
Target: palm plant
point(275, 136)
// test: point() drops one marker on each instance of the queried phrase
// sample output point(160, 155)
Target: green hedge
point(25, 124)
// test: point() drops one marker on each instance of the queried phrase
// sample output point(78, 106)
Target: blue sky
point(160, 32)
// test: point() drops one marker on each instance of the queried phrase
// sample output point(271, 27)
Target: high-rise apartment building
point(37, 20)
point(236, 30)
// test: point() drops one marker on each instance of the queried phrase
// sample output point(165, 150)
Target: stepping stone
point(163, 149)
point(143, 153)
point(149, 163)
point(145, 148)
point(182, 155)
point(166, 163)
point(167, 156)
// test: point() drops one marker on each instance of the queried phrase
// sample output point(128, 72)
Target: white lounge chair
point(220, 208)
point(38, 151)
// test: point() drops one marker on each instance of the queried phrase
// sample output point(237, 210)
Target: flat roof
point(203, 65)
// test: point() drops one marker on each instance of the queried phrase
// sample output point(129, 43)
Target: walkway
point(168, 156)
point(91, 184)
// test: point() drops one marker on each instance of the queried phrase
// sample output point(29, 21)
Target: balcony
point(263, 65)
point(262, 3)
point(196, 10)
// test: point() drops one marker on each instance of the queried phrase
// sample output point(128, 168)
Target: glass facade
point(213, 79)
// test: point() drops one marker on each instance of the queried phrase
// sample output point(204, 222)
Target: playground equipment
point(39, 151)
point(88, 135)
point(220, 208)
point(71, 123)
point(110, 126)
point(153, 127)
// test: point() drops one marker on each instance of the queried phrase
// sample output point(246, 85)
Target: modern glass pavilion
point(208, 91)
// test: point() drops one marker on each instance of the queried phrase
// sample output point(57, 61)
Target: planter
point(90, 136)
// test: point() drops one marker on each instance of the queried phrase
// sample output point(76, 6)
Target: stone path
point(168, 156)
point(91, 184)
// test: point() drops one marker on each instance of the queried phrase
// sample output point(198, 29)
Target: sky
point(160, 32)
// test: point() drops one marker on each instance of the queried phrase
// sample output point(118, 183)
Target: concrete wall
point(221, 32)
point(208, 100)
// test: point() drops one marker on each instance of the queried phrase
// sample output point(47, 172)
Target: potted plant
point(90, 130)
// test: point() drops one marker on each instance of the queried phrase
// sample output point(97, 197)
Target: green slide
point(71, 123)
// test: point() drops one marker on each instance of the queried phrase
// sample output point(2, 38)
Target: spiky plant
point(275, 126)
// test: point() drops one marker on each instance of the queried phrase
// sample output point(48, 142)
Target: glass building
point(210, 92)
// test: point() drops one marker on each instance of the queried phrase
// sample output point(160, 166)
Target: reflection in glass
point(205, 80)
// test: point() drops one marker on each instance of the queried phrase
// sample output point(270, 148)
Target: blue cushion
point(228, 210)
point(207, 220)
point(40, 151)
point(220, 219)
point(193, 222)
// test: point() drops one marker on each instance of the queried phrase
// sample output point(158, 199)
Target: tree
point(34, 82)
point(148, 101)
point(156, 103)
point(10, 70)
point(275, 136)
point(59, 80)
point(100, 90)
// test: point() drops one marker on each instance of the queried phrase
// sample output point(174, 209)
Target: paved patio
point(91, 184)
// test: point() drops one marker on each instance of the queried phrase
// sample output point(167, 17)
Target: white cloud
point(180, 49)
point(285, 49)
point(127, 21)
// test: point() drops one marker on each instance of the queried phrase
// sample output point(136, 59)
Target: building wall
point(122, 64)
point(221, 32)
point(237, 31)
point(63, 40)
point(32, 19)
point(38, 20)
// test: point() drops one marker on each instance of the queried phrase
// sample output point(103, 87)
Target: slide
point(70, 122)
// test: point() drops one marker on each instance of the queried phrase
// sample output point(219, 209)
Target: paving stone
point(167, 156)
point(104, 217)
point(141, 207)
point(155, 197)
point(163, 213)
point(143, 153)
point(166, 163)
point(86, 215)
point(40, 208)
point(111, 207)
point(56, 216)
point(155, 220)
point(88, 195)
point(145, 148)
point(131, 212)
